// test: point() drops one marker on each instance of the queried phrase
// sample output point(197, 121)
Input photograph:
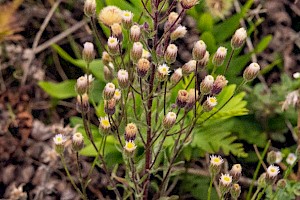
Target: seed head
point(176, 76)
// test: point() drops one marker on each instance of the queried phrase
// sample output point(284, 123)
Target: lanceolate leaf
point(62, 90)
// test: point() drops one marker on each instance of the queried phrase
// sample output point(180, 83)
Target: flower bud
point(77, 141)
point(271, 174)
point(207, 84)
point(235, 191)
point(179, 32)
point(88, 53)
point(281, 184)
point(136, 51)
point(117, 95)
point(225, 183)
point(104, 125)
point(89, 8)
point(146, 54)
point(187, 4)
point(182, 98)
point(127, 17)
point(189, 67)
point(171, 53)
point(143, 66)
point(109, 91)
point(236, 172)
point(82, 104)
point(192, 99)
point(129, 148)
point(123, 78)
point(176, 76)
point(110, 106)
point(135, 33)
point(162, 72)
point(169, 120)
point(83, 83)
point(271, 157)
point(116, 30)
point(239, 38)
point(199, 50)
point(251, 72)
point(106, 59)
point(59, 142)
point(108, 75)
point(218, 85)
point(130, 132)
point(110, 15)
point(204, 61)
point(171, 21)
point(278, 157)
point(113, 45)
point(291, 159)
point(215, 165)
point(219, 56)
point(209, 104)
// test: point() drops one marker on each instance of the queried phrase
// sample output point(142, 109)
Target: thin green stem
point(256, 193)
point(261, 193)
point(210, 187)
point(257, 170)
point(80, 175)
point(228, 63)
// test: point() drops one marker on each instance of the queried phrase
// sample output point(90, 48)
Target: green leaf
point(226, 29)
point(96, 67)
point(263, 44)
point(62, 90)
point(209, 40)
point(205, 23)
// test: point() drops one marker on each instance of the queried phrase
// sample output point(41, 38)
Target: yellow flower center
point(216, 160)
point(130, 145)
point(227, 179)
point(212, 100)
point(105, 122)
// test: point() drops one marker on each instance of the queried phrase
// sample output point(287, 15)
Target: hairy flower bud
point(209, 104)
point(169, 120)
point(143, 66)
point(262, 180)
point(88, 53)
point(113, 45)
point(116, 30)
point(77, 141)
point(189, 67)
point(187, 4)
point(172, 21)
point(82, 104)
point(271, 157)
point(179, 32)
point(176, 76)
point(162, 72)
point(59, 142)
point(83, 83)
point(89, 8)
point(130, 132)
point(207, 84)
point(104, 124)
point(218, 85)
point(199, 50)
point(171, 53)
point(281, 184)
point(182, 98)
point(239, 38)
point(123, 78)
point(236, 172)
point(135, 33)
point(235, 191)
point(110, 15)
point(251, 72)
point(192, 99)
point(110, 106)
point(127, 17)
point(108, 75)
point(219, 56)
point(106, 59)
point(136, 51)
point(204, 61)
point(109, 91)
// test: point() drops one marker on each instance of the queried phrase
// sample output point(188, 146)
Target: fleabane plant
point(149, 100)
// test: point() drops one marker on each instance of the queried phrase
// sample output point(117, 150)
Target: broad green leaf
point(62, 90)
point(209, 40)
point(205, 23)
point(96, 67)
point(226, 29)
